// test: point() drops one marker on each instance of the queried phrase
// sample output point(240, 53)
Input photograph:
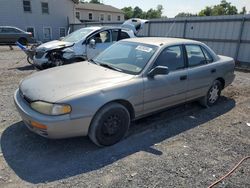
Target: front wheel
point(109, 125)
point(213, 94)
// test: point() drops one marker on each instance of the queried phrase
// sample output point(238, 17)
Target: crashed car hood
point(57, 83)
point(55, 44)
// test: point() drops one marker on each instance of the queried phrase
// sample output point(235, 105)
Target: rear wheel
point(213, 94)
point(110, 125)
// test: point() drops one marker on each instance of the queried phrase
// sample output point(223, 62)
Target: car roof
point(9, 27)
point(161, 41)
point(106, 27)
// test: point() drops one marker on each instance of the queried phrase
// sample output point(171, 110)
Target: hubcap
point(213, 94)
point(111, 125)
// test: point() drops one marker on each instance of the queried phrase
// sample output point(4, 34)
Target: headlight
point(51, 109)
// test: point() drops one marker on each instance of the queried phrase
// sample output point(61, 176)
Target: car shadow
point(38, 160)
point(24, 68)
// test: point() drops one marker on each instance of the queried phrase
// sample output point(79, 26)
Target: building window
point(47, 34)
point(101, 17)
point(31, 30)
point(45, 8)
point(62, 32)
point(78, 15)
point(118, 18)
point(109, 17)
point(90, 16)
point(26, 6)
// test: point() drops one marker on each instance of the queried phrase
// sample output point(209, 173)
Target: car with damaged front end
point(129, 80)
point(85, 43)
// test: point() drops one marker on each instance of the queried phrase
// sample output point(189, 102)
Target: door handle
point(184, 77)
point(213, 71)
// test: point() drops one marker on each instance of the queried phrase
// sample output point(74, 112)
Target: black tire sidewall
point(216, 82)
point(96, 133)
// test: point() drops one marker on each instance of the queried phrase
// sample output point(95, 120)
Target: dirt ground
point(186, 146)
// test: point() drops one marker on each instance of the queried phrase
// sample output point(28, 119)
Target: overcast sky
point(173, 7)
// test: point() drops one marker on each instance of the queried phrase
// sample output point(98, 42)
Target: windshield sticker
point(144, 48)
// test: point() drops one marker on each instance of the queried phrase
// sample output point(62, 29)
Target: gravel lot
point(186, 146)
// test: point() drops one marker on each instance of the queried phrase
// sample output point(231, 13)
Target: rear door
point(167, 90)
point(201, 72)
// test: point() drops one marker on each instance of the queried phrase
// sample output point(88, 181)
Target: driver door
point(163, 91)
point(102, 41)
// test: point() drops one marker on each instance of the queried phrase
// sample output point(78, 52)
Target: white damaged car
point(83, 44)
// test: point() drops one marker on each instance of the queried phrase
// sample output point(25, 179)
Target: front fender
point(87, 104)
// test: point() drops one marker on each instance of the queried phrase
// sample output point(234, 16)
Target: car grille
point(39, 54)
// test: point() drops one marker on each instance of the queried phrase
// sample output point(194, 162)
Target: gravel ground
point(186, 146)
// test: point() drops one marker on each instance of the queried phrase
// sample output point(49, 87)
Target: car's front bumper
point(56, 126)
point(40, 61)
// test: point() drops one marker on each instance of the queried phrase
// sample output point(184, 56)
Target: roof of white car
point(160, 41)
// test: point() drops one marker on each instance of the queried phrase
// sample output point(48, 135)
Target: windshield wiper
point(110, 67)
point(93, 61)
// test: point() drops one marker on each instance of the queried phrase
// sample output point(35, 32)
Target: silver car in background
point(130, 80)
point(10, 35)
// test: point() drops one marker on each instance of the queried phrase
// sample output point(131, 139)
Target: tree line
point(223, 8)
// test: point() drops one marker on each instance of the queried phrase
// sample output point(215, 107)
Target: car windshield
point(77, 35)
point(128, 57)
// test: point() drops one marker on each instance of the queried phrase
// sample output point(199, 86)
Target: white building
point(46, 19)
point(90, 12)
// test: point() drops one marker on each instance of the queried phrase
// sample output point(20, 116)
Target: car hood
point(55, 44)
point(58, 83)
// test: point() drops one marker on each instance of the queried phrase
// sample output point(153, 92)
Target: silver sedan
point(130, 80)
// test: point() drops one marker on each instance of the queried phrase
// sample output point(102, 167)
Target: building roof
point(98, 7)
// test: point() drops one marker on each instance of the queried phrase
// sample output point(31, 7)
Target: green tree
point(128, 12)
point(224, 8)
point(243, 11)
point(154, 13)
point(206, 12)
point(138, 13)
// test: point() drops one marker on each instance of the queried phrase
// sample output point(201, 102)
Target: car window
point(208, 56)
point(171, 57)
point(78, 35)
point(10, 30)
point(124, 35)
point(114, 35)
point(129, 57)
point(195, 56)
point(102, 37)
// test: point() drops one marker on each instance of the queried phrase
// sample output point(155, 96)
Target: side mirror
point(159, 70)
point(61, 38)
point(92, 43)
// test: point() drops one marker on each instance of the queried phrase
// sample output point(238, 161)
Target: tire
point(213, 94)
point(23, 41)
point(109, 125)
point(29, 60)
